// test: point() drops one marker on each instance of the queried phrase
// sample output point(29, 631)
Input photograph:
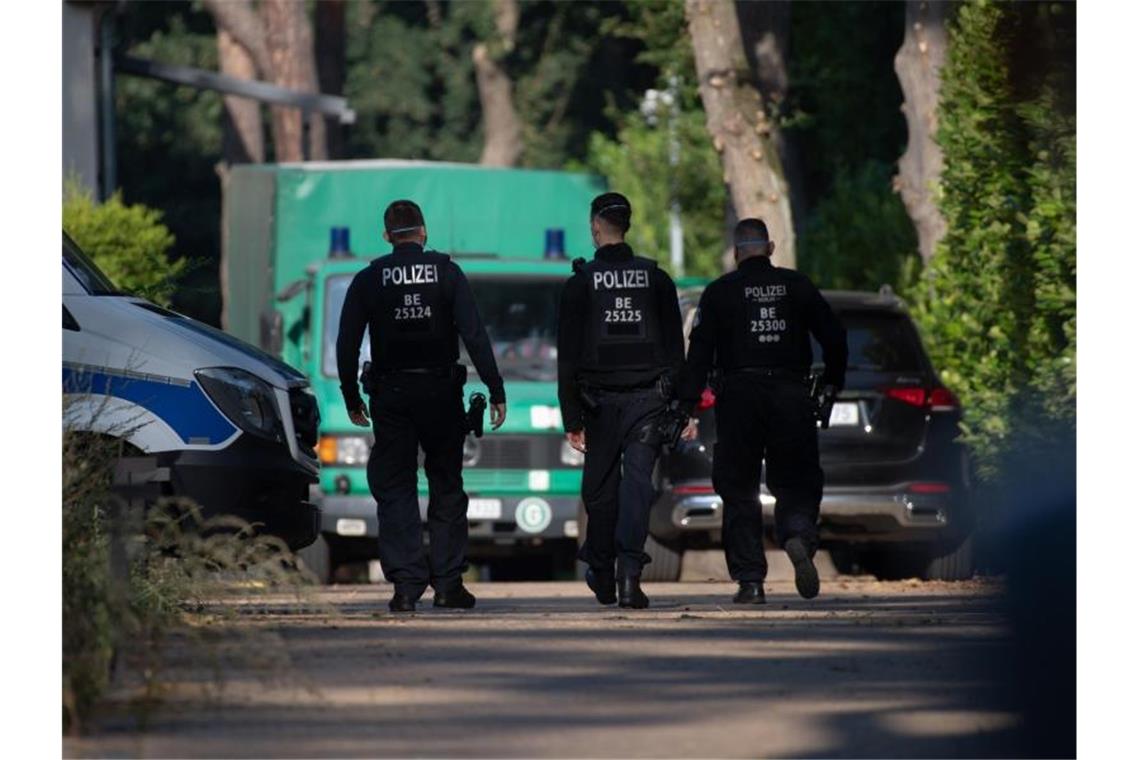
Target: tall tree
point(502, 130)
point(289, 36)
point(738, 121)
point(765, 29)
point(919, 67)
point(279, 40)
point(243, 141)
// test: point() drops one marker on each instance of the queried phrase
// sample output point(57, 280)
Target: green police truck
point(294, 236)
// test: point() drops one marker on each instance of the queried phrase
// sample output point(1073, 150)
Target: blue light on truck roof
point(338, 243)
point(555, 243)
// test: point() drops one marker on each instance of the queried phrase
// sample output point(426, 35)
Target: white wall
point(80, 93)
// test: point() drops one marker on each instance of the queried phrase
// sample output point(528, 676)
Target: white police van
point(230, 427)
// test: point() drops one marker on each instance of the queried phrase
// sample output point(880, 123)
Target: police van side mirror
point(292, 290)
point(272, 324)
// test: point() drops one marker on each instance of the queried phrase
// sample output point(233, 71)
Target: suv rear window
point(879, 342)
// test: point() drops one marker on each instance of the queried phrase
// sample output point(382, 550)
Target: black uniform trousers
point(617, 480)
point(411, 410)
point(765, 419)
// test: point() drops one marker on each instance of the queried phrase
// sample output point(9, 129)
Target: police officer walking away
point(753, 324)
point(415, 303)
point(619, 344)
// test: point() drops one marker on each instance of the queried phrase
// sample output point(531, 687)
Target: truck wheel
point(957, 564)
point(317, 558)
point(666, 564)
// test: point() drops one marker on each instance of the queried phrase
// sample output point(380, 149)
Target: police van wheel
point(666, 564)
point(317, 559)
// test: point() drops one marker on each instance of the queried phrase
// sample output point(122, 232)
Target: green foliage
point(859, 236)
point(169, 139)
point(997, 303)
point(129, 243)
point(88, 611)
point(843, 93)
point(845, 133)
point(412, 81)
point(636, 163)
point(131, 579)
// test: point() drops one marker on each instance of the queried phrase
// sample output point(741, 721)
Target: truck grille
point(513, 452)
point(306, 419)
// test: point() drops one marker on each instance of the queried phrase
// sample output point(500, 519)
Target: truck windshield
point(85, 270)
point(520, 313)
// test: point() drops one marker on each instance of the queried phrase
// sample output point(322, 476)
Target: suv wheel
point(957, 564)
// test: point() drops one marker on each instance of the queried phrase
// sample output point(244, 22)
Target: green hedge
point(997, 303)
point(129, 243)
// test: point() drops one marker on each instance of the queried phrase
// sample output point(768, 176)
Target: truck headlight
point(571, 456)
point(344, 449)
point(246, 400)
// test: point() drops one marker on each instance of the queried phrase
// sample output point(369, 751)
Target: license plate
point(484, 509)
point(845, 413)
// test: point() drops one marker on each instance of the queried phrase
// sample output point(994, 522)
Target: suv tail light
point(708, 400)
point(938, 399)
point(929, 488)
point(908, 395)
point(942, 400)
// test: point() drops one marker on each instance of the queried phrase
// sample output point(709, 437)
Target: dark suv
point(895, 499)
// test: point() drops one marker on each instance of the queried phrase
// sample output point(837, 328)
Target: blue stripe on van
point(184, 408)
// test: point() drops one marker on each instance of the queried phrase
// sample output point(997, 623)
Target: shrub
point(998, 301)
point(129, 243)
point(859, 237)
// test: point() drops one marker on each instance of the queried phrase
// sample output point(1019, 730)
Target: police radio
point(823, 399)
point(477, 404)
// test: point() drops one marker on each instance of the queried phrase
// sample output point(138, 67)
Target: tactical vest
point(768, 328)
point(413, 324)
point(623, 330)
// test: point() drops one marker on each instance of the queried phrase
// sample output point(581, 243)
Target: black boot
point(402, 603)
point(630, 593)
point(807, 578)
point(751, 592)
point(603, 584)
point(457, 597)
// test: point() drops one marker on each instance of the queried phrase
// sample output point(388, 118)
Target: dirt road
point(539, 669)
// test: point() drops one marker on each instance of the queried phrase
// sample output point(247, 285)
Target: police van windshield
point(877, 342)
point(520, 314)
point(84, 269)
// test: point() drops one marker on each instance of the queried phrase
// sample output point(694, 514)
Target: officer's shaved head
point(612, 210)
point(751, 238)
point(403, 221)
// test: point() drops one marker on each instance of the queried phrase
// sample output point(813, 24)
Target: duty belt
point(776, 373)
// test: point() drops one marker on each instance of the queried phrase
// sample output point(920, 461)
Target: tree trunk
point(737, 121)
point(918, 65)
point(330, 50)
point(243, 141)
point(289, 37)
point(502, 131)
point(766, 29)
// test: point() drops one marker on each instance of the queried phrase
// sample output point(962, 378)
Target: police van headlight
point(246, 400)
point(571, 455)
point(343, 449)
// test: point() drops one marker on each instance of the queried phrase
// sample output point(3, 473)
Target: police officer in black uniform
point(753, 324)
point(619, 335)
point(415, 303)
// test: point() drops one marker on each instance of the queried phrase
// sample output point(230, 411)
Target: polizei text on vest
point(410, 274)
